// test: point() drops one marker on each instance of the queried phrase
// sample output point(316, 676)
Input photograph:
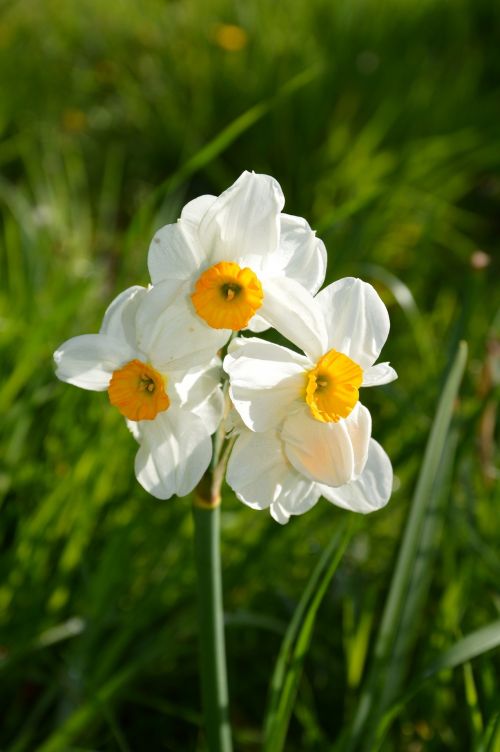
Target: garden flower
point(241, 263)
point(156, 377)
point(313, 399)
point(262, 478)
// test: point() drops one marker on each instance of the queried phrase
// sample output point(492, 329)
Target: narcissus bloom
point(263, 478)
point(313, 399)
point(161, 380)
point(240, 262)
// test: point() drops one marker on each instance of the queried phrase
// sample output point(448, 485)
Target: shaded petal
point(302, 254)
point(157, 299)
point(359, 428)
point(265, 381)
point(371, 491)
point(293, 311)
point(356, 319)
point(380, 374)
point(199, 390)
point(298, 494)
point(278, 513)
point(174, 254)
point(260, 475)
point(211, 411)
point(242, 225)
point(257, 324)
point(119, 319)
point(322, 452)
point(170, 332)
point(88, 361)
point(175, 451)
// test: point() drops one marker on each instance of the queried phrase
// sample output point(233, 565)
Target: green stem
point(211, 618)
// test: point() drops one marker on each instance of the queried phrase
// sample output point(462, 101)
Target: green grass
point(381, 123)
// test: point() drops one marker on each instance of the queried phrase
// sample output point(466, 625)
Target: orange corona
point(227, 296)
point(332, 387)
point(138, 391)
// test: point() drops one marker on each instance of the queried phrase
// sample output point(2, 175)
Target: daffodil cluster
point(231, 263)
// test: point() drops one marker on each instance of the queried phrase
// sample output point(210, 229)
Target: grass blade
point(369, 707)
point(420, 580)
point(490, 741)
point(467, 648)
point(287, 672)
point(464, 650)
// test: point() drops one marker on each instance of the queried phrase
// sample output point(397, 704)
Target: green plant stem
point(215, 700)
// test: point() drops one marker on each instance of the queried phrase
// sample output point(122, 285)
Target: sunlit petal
point(302, 256)
point(88, 361)
point(276, 482)
point(293, 311)
point(267, 381)
point(171, 333)
point(175, 451)
point(380, 374)
point(371, 491)
point(174, 254)
point(242, 225)
point(356, 319)
point(323, 452)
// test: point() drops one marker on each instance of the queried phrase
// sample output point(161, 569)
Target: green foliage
point(381, 123)
point(295, 645)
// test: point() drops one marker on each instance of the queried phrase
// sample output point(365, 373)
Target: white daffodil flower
point(313, 399)
point(171, 402)
point(262, 478)
point(240, 263)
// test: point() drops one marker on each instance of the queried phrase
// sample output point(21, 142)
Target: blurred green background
point(381, 122)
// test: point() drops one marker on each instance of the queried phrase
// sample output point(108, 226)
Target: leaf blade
point(369, 708)
point(287, 672)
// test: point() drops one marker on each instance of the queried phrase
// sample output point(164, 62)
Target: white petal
point(302, 254)
point(194, 386)
point(89, 360)
point(293, 311)
point(322, 452)
point(243, 224)
point(172, 335)
point(380, 374)
point(356, 319)
point(260, 475)
point(257, 324)
point(175, 451)
point(278, 513)
point(194, 211)
point(119, 319)
point(173, 254)
point(298, 494)
point(134, 429)
point(237, 343)
point(211, 411)
point(199, 390)
point(369, 492)
point(266, 380)
point(156, 300)
point(359, 428)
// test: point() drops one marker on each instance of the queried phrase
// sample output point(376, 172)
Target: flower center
point(227, 296)
point(138, 391)
point(332, 387)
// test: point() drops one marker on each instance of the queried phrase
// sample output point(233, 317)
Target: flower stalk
point(215, 699)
